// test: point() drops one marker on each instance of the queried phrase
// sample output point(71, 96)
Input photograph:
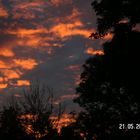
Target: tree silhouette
point(10, 125)
point(29, 117)
point(109, 91)
point(38, 104)
point(69, 133)
point(111, 13)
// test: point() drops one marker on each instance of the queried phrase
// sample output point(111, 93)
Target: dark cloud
point(51, 36)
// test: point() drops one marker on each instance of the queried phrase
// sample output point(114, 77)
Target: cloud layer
point(47, 40)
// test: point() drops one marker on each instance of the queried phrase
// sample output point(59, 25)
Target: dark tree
point(109, 89)
point(10, 125)
point(111, 13)
point(70, 132)
point(30, 117)
point(38, 104)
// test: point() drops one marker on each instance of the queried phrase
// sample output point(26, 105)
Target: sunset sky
point(46, 40)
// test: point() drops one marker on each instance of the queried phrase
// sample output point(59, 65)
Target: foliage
point(10, 125)
point(109, 91)
point(29, 118)
point(111, 13)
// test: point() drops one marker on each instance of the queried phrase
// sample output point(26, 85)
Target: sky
point(46, 40)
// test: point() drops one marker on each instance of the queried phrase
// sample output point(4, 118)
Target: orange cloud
point(109, 36)
point(32, 41)
point(27, 10)
point(6, 52)
point(3, 79)
point(3, 65)
point(2, 86)
point(74, 15)
point(11, 74)
point(22, 32)
point(36, 41)
point(27, 5)
point(70, 29)
point(33, 38)
point(11, 70)
point(27, 64)
point(3, 12)
point(91, 51)
point(23, 83)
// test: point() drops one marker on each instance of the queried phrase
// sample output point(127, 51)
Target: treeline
point(30, 117)
point(109, 89)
